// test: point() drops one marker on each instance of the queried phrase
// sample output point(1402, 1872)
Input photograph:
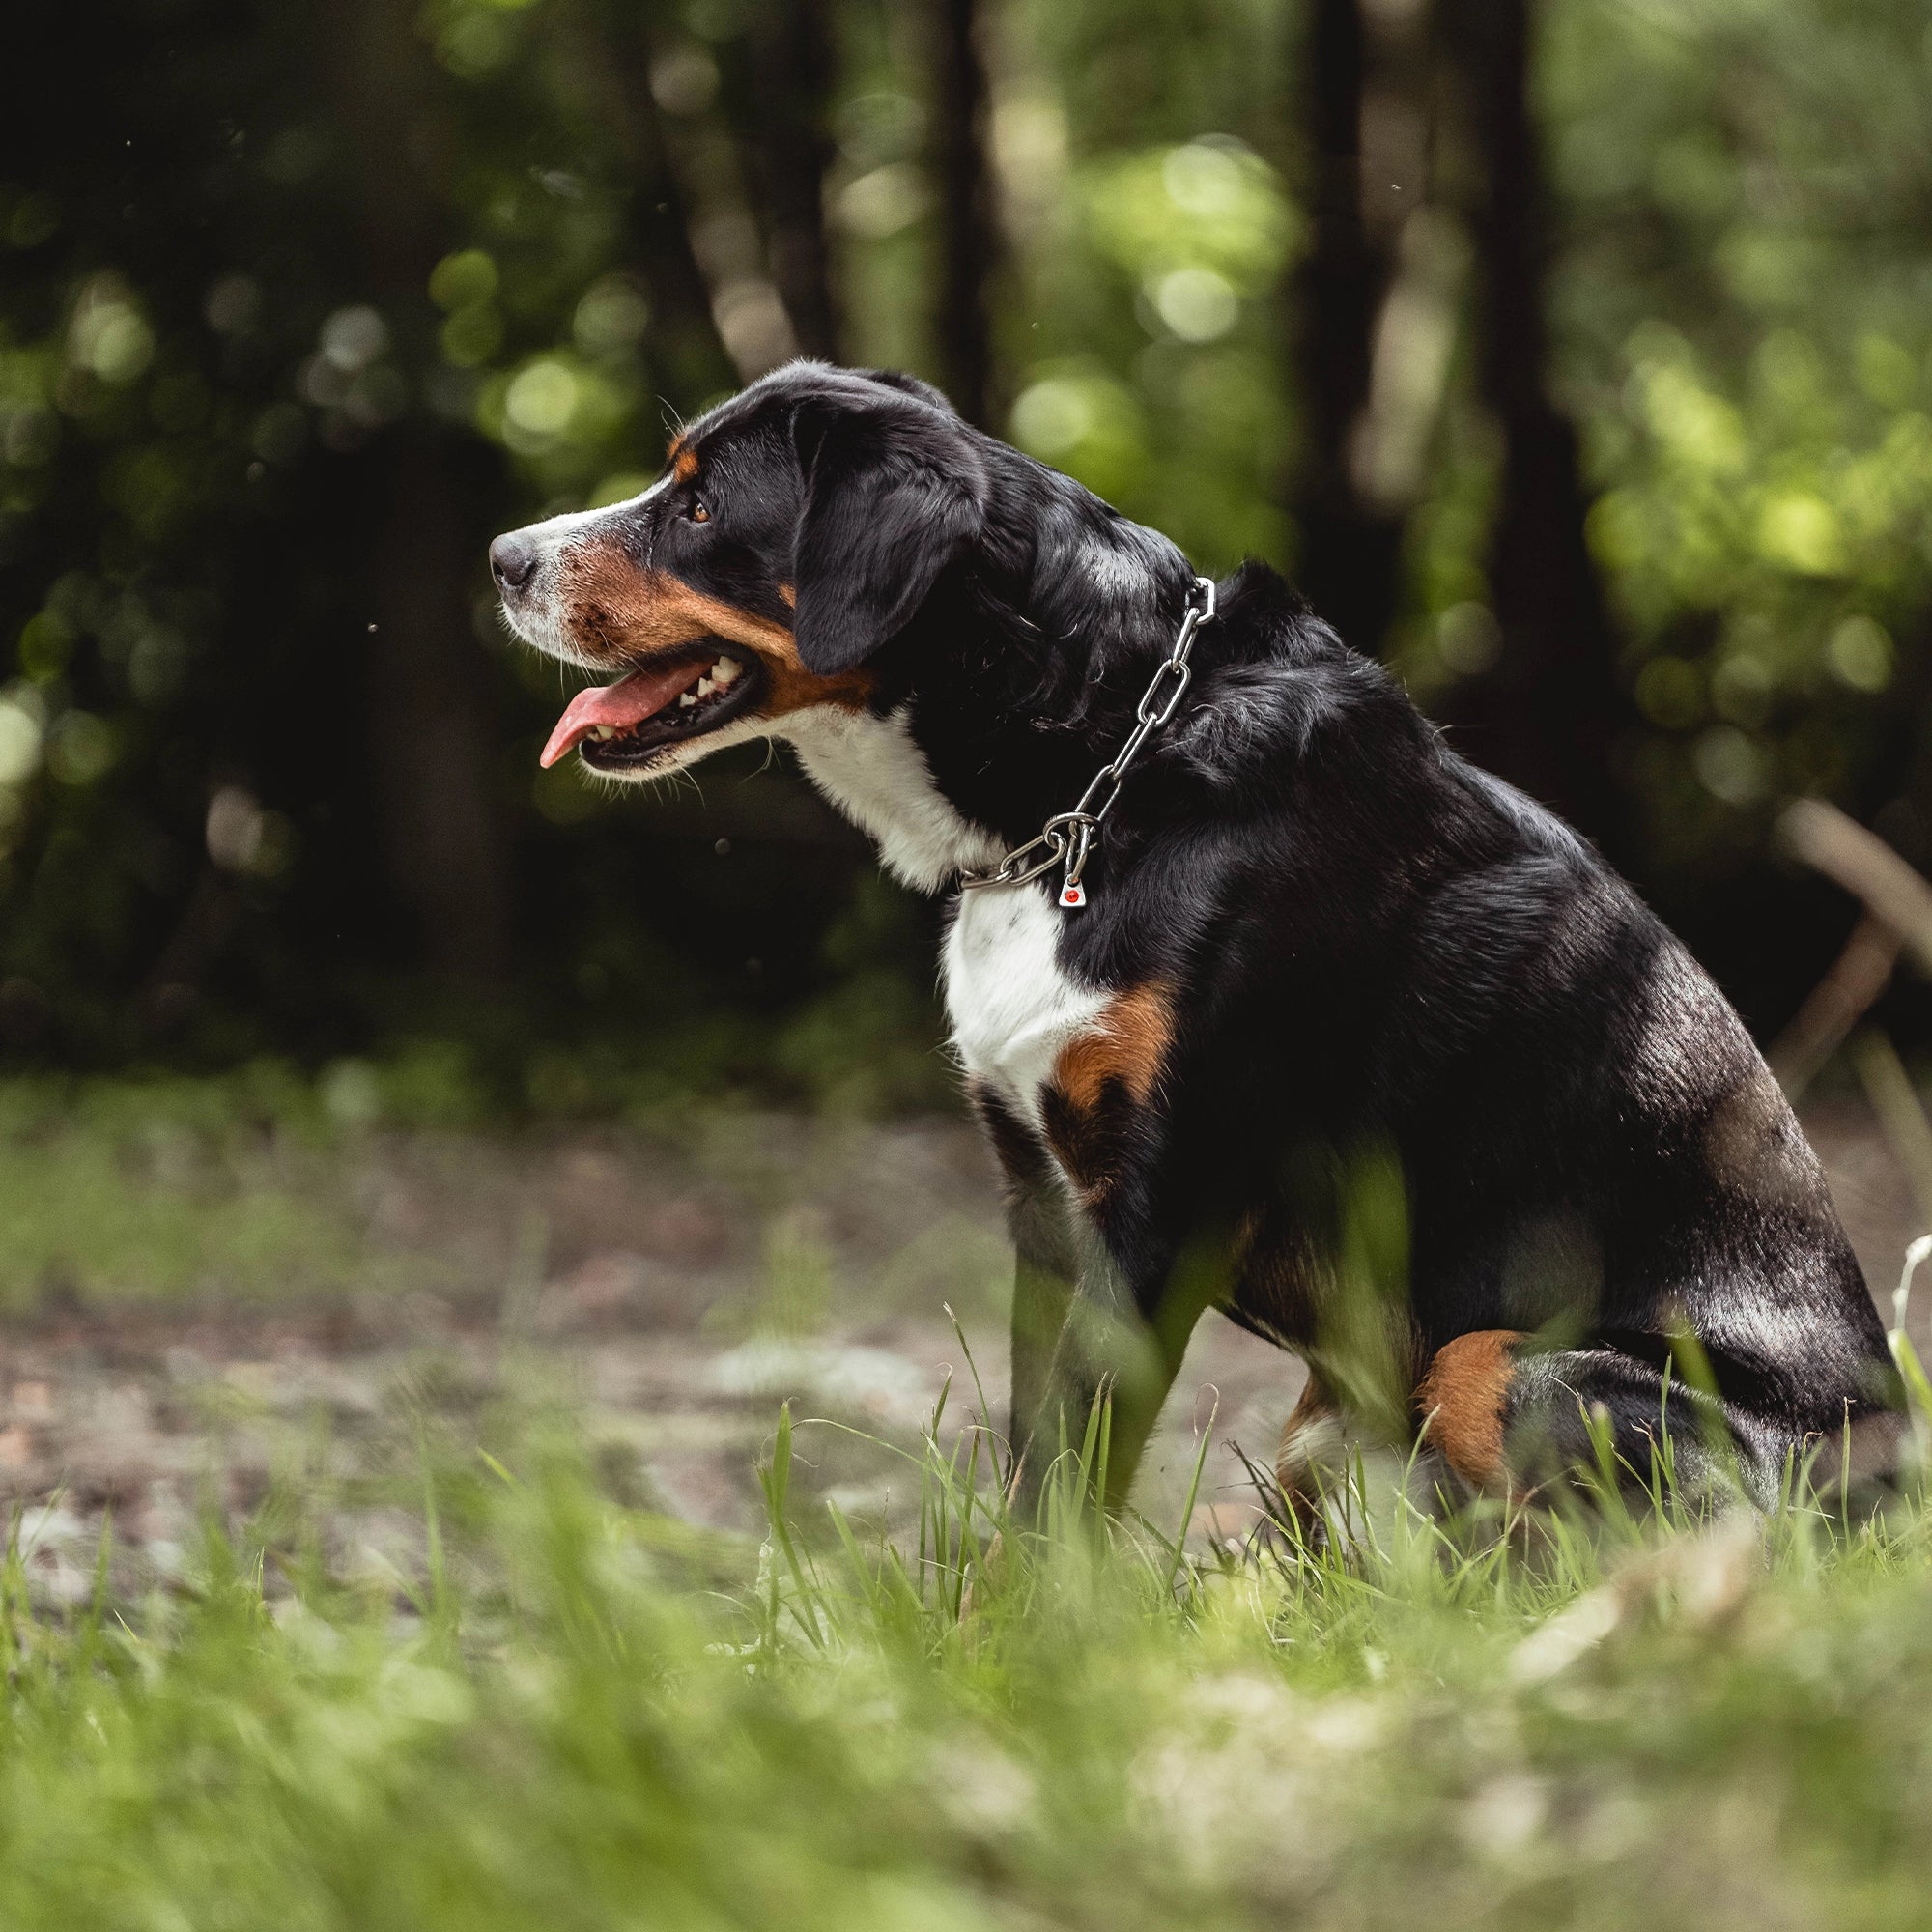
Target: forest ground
point(187, 1299)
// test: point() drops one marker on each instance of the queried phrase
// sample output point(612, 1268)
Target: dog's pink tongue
point(627, 702)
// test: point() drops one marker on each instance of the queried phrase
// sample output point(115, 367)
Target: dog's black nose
point(513, 560)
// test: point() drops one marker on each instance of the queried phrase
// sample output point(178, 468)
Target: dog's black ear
point(894, 492)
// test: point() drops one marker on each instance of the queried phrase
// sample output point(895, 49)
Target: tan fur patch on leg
point(1461, 1398)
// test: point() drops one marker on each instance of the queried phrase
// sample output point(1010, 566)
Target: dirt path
point(669, 1294)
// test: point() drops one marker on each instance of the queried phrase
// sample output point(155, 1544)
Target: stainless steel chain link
point(1069, 836)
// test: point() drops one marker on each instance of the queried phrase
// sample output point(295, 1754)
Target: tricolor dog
point(1268, 1001)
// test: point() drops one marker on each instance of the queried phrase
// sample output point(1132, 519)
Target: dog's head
point(797, 529)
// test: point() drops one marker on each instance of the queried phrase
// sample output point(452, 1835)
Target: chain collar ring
point(1068, 838)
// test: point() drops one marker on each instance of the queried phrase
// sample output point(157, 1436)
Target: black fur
point(1383, 962)
point(893, 493)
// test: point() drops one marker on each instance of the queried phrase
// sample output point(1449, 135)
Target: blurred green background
point(1575, 357)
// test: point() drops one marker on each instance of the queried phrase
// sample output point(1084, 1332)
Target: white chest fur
point(873, 770)
point(1012, 1006)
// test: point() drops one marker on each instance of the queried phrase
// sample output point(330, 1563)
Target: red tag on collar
point(1074, 896)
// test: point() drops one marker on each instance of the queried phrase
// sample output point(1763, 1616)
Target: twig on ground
point(1895, 1101)
point(1834, 1005)
point(1897, 919)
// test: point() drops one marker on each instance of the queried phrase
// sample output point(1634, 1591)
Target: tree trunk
point(791, 84)
point(1350, 547)
point(1546, 715)
point(686, 352)
point(969, 236)
point(435, 739)
point(689, 360)
point(432, 736)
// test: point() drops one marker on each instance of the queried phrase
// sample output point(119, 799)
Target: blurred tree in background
point(1575, 355)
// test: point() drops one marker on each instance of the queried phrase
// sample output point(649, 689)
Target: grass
point(569, 1712)
point(461, 1675)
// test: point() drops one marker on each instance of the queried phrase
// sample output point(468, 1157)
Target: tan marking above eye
point(684, 463)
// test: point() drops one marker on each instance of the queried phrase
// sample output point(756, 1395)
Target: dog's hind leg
point(1509, 1418)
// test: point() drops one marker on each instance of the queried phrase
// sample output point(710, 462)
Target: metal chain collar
point(1070, 835)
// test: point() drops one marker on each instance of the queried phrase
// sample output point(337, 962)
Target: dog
point(1306, 1018)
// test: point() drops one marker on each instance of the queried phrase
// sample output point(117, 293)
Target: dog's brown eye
point(699, 514)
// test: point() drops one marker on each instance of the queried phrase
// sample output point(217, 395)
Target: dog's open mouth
point(628, 723)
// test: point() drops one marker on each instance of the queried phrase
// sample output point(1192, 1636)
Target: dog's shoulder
point(1276, 681)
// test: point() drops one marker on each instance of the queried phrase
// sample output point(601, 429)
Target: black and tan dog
point(1347, 1039)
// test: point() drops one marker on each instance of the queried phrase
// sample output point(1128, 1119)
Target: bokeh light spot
point(1860, 654)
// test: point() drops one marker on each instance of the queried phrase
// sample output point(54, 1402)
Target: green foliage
point(115, 1192)
point(354, 290)
point(1186, 429)
point(1745, 337)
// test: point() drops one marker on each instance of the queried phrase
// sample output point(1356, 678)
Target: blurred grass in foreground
point(576, 1713)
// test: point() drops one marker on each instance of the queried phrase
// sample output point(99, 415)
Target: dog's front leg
point(1046, 1269)
point(1043, 1289)
point(1040, 1220)
point(1079, 1329)
point(1105, 1348)
point(1077, 1335)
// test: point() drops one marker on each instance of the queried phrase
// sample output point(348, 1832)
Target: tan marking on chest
point(1102, 1080)
point(1128, 1044)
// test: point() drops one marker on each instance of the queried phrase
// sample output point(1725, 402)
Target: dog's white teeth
point(603, 733)
point(724, 672)
point(685, 702)
point(705, 687)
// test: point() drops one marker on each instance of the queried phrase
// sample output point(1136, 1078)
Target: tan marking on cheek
point(789, 592)
point(793, 687)
point(1127, 1042)
point(623, 614)
point(1462, 1400)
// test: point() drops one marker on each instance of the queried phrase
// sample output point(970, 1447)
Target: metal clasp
point(1070, 835)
